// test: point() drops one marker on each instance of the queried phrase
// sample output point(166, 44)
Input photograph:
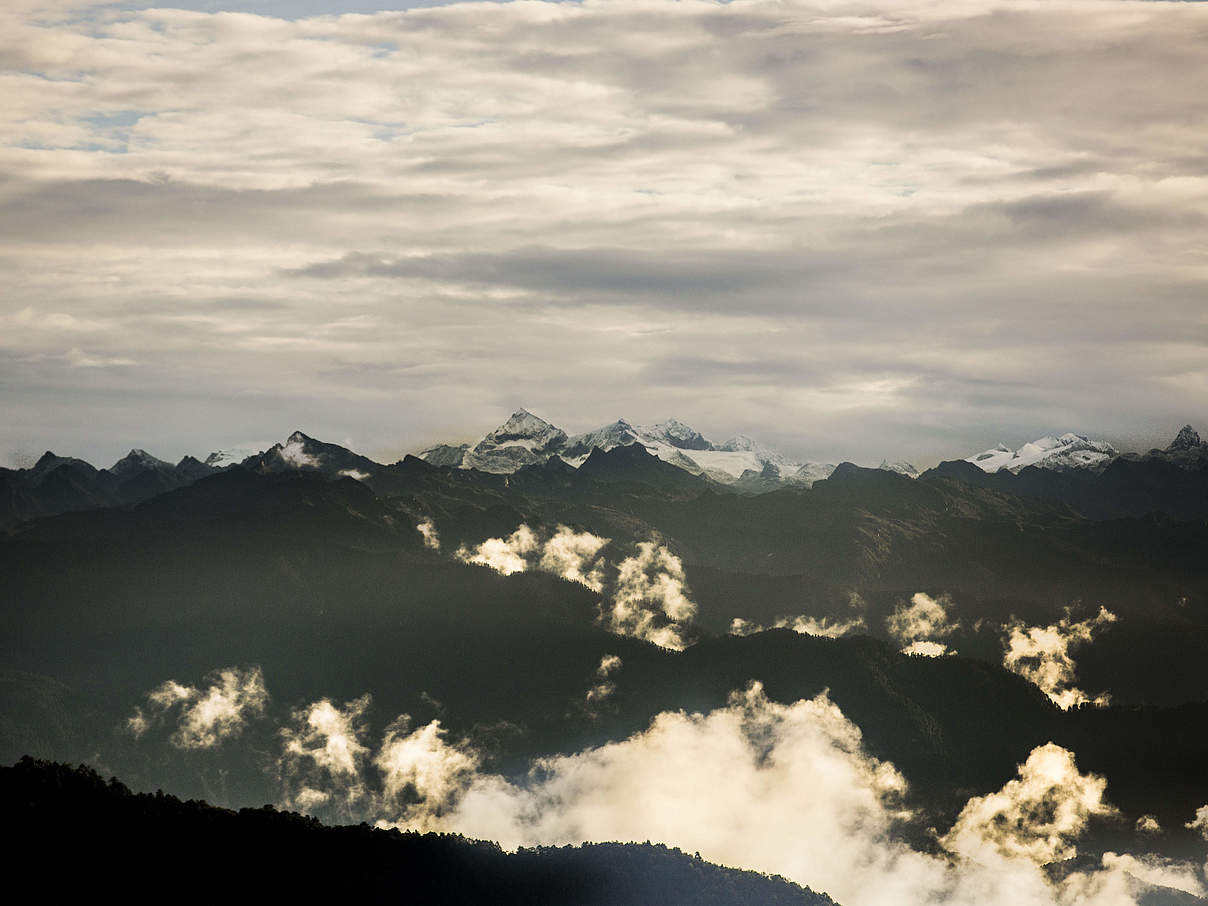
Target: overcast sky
point(848, 229)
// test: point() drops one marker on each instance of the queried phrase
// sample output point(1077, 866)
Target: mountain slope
point(191, 852)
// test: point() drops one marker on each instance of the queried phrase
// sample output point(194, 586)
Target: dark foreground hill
point(77, 835)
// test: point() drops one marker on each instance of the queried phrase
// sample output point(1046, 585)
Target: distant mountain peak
point(1188, 438)
point(526, 439)
point(902, 468)
point(138, 459)
point(523, 424)
point(1067, 451)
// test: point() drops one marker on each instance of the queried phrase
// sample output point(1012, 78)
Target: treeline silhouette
point(76, 835)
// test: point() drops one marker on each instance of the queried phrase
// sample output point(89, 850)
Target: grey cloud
point(939, 226)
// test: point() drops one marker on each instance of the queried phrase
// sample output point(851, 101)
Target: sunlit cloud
point(1041, 654)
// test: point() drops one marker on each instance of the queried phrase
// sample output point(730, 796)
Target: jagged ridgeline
point(208, 627)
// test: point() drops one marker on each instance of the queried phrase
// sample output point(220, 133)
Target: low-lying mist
point(780, 788)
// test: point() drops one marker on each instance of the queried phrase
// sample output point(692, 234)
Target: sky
point(851, 230)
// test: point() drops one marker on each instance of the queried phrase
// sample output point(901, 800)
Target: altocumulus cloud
point(840, 219)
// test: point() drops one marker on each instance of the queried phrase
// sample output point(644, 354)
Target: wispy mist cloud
point(428, 532)
point(504, 555)
point(323, 758)
point(1041, 654)
point(827, 627)
point(645, 595)
point(649, 599)
point(604, 687)
point(204, 716)
point(919, 625)
point(1034, 817)
point(758, 784)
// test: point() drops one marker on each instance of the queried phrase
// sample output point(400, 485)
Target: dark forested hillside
point(325, 584)
point(75, 835)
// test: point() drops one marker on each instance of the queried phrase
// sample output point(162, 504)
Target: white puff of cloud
point(422, 775)
point(574, 556)
point(647, 596)
point(1148, 824)
point(917, 626)
point(604, 686)
point(293, 451)
point(650, 598)
point(323, 756)
point(1035, 816)
point(431, 536)
point(206, 716)
point(504, 555)
point(1041, 654)
point(1199, 822)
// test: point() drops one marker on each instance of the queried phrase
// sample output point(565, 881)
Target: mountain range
point(562, 606)
point(58, 484)
point(525, 439)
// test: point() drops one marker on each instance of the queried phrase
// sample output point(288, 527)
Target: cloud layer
point(852, 229)
point(759, 784)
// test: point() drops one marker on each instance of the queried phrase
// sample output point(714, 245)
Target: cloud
point(602, 690)
point(1041, 654)
point(431, 537)
point(917, 625)
point(828, 627)
point(504, 555)
point(422, 775)
point(554, 195)
point(649, 599)
point(294, 452)
point(644, 595)
point(1200, 821)
point(773, 787)
point(1148, 824)
point(789, 789)
point(574, 556)
point(1036, 816)
point(1156, 871)
point(77, 358)
point(204, 717)
point(323, 758)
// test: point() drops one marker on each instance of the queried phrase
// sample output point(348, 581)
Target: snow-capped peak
point(1067, 451)
point(676, 434)
point(138, 459)
point(525, 439)
point(233, 455)
point(902, 468)
point(523, 425)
